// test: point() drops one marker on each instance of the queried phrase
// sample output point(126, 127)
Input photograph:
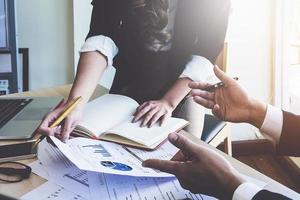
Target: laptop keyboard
point(10, 108)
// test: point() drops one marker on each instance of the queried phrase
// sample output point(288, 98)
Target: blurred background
point(40, 41)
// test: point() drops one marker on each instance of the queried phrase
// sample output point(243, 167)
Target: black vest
point(149, 63)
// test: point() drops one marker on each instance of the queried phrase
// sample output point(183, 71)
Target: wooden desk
point(62, 91)
point(19, 189)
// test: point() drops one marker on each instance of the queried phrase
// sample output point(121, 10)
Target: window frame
point(281, 96)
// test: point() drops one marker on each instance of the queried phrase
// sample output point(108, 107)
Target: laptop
point(20, 117)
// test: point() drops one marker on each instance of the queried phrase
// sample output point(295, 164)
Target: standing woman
point(158, 47)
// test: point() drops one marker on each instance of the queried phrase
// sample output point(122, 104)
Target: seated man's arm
point(200, 169)
point(265, 194)
point(290, 136)
point(283, 130)
point(232, 103)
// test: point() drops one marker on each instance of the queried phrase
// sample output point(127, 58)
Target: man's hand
point(199, 169)
point(230, 102)
point(151, 112)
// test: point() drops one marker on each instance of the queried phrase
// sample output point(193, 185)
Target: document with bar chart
point(105, 157)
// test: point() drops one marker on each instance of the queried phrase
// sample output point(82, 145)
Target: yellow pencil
point(67, 110)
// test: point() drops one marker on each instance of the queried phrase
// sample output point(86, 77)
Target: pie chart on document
point(116, 166)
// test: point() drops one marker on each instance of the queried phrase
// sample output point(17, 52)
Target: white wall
point(46, 28)
point(82, 10)
point(250, 54)
point(250, 42)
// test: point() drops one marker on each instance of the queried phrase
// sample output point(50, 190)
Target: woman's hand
point(151, 112)
point(64, 130)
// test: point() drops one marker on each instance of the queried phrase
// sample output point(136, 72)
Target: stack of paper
point(91, 169)
point(84, 169)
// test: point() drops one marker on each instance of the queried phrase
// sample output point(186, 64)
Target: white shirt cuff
point(246, 191)
point(198, 69)
point(273, 123)
point(103, 44)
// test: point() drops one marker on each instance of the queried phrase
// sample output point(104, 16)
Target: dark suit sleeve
point(266, 195)
point(204, 25)
point(290, 135)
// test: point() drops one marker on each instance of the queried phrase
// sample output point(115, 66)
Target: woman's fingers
point(156, 117)
point(149, 115)
point(67, 129)
point(47, 131)
point(151, 112)
point(138, 109)
point(47, 121)
point(140, 113)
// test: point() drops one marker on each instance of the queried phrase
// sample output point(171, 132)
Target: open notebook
point(109, 118)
